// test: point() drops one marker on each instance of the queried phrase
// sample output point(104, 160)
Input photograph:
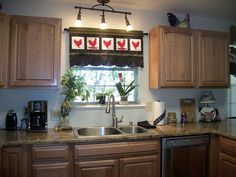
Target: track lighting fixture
point(128, 25)
point(103, 22)
point(78, 20)
point(103, 7)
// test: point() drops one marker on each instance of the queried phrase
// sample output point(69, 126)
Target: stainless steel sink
point(98, 131)
point(133, 129)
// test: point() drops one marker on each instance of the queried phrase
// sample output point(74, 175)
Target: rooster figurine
point(174, 21)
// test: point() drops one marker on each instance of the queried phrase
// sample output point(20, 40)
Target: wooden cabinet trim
point(115, 148)
point(50, 153)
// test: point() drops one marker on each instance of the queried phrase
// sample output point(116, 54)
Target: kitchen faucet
point(111, 106)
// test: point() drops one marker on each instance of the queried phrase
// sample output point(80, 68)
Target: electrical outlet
point(148, 106)
point(55, 115)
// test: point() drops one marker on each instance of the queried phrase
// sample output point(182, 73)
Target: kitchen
point(17, 98)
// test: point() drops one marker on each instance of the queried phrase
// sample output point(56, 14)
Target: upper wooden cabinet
point(35, 51)
point(213, 59)
point(4, 38)
point(188, 58)
point(172, 59)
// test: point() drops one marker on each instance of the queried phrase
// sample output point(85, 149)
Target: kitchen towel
point(159, 113)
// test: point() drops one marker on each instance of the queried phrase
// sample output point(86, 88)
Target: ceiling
point(221, 9)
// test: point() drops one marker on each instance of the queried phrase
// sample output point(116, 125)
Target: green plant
point(72, 87)
point(101, 96)
point(125, 90)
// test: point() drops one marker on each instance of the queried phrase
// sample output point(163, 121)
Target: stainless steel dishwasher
point(184, 156)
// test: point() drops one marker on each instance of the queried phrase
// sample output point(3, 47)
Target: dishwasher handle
point(184, 141)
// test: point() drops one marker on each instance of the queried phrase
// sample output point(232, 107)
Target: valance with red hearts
point(92, 46)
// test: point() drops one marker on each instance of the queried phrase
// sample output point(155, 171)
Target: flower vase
point(65, 123)
point(124, 100)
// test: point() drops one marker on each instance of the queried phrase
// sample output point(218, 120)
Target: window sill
point(102, 107)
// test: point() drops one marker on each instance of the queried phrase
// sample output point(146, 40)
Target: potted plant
point(72, 87)
point(101, 96)
point(124, 91)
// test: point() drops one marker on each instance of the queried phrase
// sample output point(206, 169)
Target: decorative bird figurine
point(174, 21)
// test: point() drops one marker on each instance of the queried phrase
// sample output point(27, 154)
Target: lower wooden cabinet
point(120, 159)
point(1, 174)
point(123, 159)
point(227, 157)
point(141, 166)
point(97, 168)
point(51, 161)
point(15, 162)
point(51, 170)
point(227, 165)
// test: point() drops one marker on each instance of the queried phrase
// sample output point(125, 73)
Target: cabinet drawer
point(115, 148)
point(50, 153)
point(228, 145)
point(51, 170)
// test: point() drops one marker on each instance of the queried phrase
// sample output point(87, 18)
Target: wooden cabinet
point(51, 161)
point(227, 157)
point(35, 51)
point(188, 58)
point(172, 59)
point(97, 168)
point(1, 172)
point(52, 169)
point(213, 57)
point(141, 166)
point(124, 159)
point(120, 159)
point(4, 38)
point(15, 162)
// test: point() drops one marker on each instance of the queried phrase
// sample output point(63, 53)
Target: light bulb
point(78, 20)
point(128, 25)
point(103, 22)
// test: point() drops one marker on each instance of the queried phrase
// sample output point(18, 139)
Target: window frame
point(114, 68)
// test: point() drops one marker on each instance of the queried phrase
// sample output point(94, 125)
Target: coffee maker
point(37, 116)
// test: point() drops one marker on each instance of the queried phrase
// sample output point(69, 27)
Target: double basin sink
point(102, 131)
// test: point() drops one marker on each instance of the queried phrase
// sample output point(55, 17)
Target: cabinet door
point(99, 168)
point(35, 51)
point(143, 166)
point(52, 169)
point(1, 173)
point(4, 37)
point(172, 57)
point(227, 165)
point(213, 59)
point(15, 162)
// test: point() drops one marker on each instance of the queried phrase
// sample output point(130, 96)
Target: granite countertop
point(226, 128)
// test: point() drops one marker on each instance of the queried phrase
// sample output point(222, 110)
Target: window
point(102, 79)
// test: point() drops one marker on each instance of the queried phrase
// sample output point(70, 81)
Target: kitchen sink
point(98, 131)
point(102, 131)
point(133, 129)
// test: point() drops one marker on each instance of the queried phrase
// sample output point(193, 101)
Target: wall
point(141, 20)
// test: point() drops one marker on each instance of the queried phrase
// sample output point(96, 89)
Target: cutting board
point(187, 105)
